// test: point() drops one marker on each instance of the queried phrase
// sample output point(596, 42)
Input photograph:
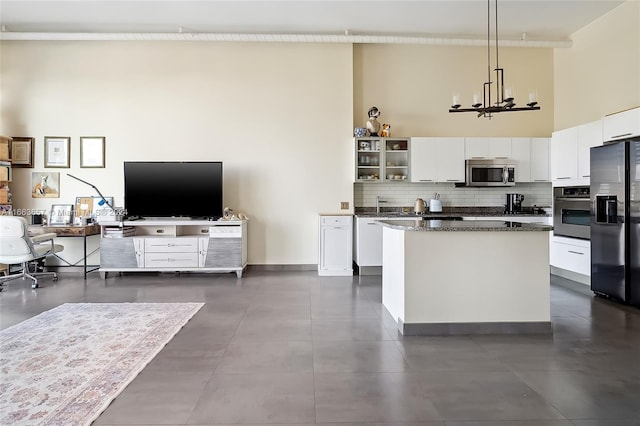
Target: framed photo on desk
point(61, 214)
point(90, 206)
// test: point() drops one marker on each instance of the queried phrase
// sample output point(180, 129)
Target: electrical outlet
point(344, 205)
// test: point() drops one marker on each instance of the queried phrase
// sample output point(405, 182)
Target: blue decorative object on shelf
point(360, 132)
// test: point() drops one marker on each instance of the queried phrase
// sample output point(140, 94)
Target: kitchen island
point(466, 277)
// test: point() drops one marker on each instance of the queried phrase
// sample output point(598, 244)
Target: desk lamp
point(102, 199)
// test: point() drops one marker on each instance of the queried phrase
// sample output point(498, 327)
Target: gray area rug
point(64, 366)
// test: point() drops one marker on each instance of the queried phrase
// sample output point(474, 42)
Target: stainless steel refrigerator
point(615, 220)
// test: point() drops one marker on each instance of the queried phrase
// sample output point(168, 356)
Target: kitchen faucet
point(378, 201)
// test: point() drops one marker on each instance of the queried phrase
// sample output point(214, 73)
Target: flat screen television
point(164, 189)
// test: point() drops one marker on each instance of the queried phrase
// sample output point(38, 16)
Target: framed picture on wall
point(22, 152)
point(45, 185)
point(57, 151)
point(92, 151)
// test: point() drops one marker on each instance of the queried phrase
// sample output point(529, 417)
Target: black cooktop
point(436, 217)
point(526, 210)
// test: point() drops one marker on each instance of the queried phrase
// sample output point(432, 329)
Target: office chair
point(17, 247)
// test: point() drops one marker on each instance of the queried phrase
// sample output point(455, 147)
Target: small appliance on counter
point(435, 205)
point(420, 206)
point(514, 203)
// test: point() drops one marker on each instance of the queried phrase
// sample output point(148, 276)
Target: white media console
point(169, 245)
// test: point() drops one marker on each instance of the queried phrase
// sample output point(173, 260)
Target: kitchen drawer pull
point(502, 158)
point(477, 157)
point(372, 223)
point(453, 180)
point(586, 175)
point(576, 252)
point(540, 180)
point(426, 180)
point(620, 136)
point(564, 177)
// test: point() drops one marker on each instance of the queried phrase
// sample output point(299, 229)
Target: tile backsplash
point(403, 194)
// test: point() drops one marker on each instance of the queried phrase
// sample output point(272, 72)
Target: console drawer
point(170, 245)
point(171, 260)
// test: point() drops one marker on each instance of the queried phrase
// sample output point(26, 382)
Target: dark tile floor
point(294, 348)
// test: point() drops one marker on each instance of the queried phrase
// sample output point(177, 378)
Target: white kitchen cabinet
point(564, 161)
point(540, 160)
point(570, 153)
point(368, 242)
point(450, 159)
point(521, 154)
point(487, 148)
point(500, 148)
point(396, 159)
point(335, 245)
point(477, 148)
point(532, 157)
point(437, 159)
point(381, 159)
point(424, 159)
point(571, 254)
point(621, 125)
point(589, 135)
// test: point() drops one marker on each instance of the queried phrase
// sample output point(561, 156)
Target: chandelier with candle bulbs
point(502, 100)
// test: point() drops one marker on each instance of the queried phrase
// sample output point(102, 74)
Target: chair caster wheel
point(55, 278)
point(34, 286)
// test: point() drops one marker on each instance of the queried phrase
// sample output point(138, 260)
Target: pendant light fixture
point(501, 100)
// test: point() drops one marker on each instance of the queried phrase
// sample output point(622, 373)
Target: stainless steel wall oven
point(572, 212)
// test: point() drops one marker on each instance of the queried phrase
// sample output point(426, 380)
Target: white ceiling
point(539, 19)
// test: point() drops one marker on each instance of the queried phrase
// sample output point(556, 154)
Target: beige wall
point(413, 86)
point(277, 115)
point(281, 116)
point(600, 74)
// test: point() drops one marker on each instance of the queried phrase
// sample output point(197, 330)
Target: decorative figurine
point(373, 125)
point(386, 131)
point(227, 213)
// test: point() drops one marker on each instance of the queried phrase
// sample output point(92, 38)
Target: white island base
point(457, 282)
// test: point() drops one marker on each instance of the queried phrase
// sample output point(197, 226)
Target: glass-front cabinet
point(369, 159)
point(382, 159)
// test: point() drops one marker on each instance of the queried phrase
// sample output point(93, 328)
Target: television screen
point(173, 189)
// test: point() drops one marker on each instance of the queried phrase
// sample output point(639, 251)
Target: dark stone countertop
point(464, 225)
point(450, 211)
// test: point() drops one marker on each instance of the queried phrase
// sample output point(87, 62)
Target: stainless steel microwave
point(490, 173)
